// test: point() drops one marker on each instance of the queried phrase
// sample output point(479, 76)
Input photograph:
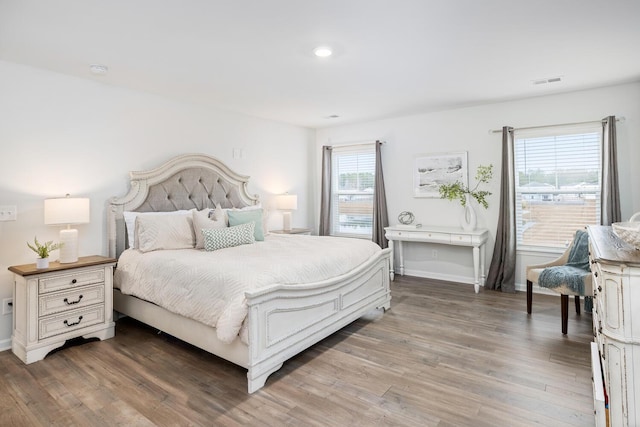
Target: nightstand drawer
point(69, 300)
point(70, 280)
point(70, 321)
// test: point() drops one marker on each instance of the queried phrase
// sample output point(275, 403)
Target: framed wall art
point(432, 170)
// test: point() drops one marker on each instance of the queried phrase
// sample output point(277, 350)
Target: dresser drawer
point(70, 321)
point(69, 300)
point(70, 280)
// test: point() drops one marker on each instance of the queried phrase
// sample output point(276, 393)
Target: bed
point(282, 319)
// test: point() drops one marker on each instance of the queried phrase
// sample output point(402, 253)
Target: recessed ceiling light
point(98, 69)
point(322, 51)
point(333, 116)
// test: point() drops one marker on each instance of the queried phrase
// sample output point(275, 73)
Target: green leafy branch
point(43, 249)
point(458, 190)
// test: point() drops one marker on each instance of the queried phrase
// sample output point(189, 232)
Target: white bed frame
point(282, 321)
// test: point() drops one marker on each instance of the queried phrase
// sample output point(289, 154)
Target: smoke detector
point(546, 80)
point(98, 69)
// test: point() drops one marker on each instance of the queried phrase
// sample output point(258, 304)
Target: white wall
point(467, 129)
point(62, 134)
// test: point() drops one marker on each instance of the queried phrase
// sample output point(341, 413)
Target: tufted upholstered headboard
point(184, 182)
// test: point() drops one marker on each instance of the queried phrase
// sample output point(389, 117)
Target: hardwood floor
point(442, 356)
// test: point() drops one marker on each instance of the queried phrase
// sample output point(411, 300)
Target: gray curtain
point(503, 263)
point(380, 216)
point(325, 194)
point(610, 198)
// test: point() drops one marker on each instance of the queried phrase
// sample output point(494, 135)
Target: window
point(558, 184)
point(352, 185)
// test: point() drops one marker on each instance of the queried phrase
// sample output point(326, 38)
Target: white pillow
point(205, 219)
point(164, 232)
point(130, 222)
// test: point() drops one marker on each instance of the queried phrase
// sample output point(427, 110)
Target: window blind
point(353, 181)
point(558, 185)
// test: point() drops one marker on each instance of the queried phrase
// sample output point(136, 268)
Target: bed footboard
point(285, 320)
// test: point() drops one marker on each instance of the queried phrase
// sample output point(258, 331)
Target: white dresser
point(615, 266)
point(61, 302)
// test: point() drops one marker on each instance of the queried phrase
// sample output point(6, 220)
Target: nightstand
point(306, 231)
point(64, 301)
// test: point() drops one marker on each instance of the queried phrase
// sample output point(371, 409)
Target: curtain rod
point(618, 119)
point(353, 144)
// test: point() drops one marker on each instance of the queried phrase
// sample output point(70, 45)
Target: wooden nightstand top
point(292, 231)
point(85, 261)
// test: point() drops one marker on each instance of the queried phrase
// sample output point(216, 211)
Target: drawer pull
point(74, 323)
point(73, 302)
point(74, 281)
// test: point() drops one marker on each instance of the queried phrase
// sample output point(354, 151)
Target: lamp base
point(286, 221)
point(69, 248)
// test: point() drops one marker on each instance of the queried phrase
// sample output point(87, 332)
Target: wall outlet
point(7, 306)
point(8, 213)
point(434, 254)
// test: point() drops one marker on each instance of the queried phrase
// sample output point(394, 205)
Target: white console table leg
point(400, 252)
point(476, 268)
point(483, 250)
point(392, 274)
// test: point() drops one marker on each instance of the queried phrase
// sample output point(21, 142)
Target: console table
point(475, 239)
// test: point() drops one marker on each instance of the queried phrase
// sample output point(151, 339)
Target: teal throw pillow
point(243, 217)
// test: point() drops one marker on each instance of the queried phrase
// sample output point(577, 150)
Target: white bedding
point(209, 286)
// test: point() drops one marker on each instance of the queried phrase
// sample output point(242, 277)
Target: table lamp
point(287, 203)
point(67, 211)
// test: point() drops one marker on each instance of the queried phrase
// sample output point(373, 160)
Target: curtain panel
point(380, 214)
point(325, 193)
point(610, 198)
point(503, 262)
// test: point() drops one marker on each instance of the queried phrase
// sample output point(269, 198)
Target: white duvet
point(209, 286)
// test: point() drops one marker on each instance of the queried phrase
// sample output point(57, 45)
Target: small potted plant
point(463, 193)
point(43, 250)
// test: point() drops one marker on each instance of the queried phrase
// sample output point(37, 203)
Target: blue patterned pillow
point(219, 238)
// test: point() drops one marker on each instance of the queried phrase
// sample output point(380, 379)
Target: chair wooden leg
point(564, 302)
point(529, 295)
point(578, 304)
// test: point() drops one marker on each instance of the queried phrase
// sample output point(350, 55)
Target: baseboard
point(439, 276)
point(5, 344)
point(520, 287)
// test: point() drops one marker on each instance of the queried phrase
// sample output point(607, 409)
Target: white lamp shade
point(287, 202)
point(66, 210)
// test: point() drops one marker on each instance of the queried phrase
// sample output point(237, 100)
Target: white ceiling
point(392, 57)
